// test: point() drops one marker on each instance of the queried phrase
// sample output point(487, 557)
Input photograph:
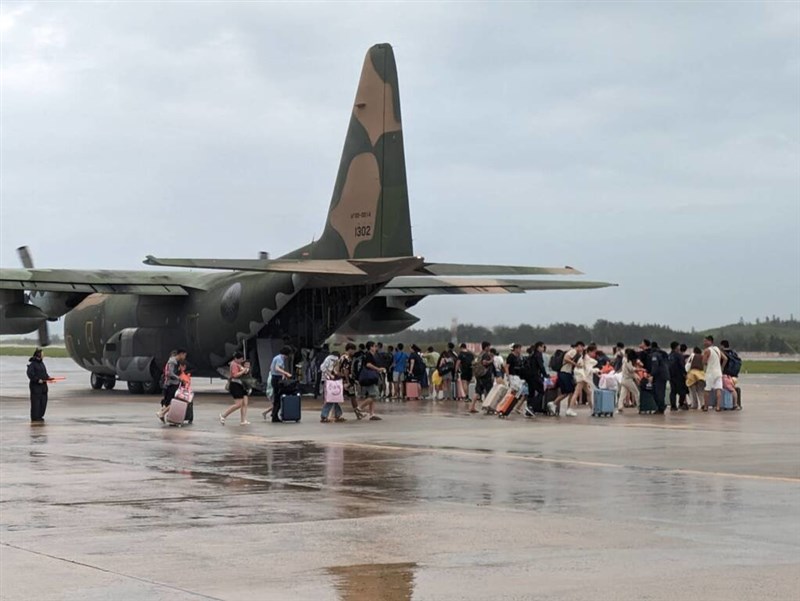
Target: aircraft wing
point(427, 286)
point(153, 283)
point(386, 266)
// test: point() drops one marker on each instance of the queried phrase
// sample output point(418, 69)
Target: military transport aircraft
point(360, 277)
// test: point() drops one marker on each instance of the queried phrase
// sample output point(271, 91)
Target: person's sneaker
point(374, 418)
point(324, 420)
point(160, 416)
point(551, 408)
point(339, 420)
point(529, 413)
point(264, 414)
point(571, 413)
point(221, 419)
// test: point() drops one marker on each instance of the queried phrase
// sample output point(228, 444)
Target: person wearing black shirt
point(37, 384)
point(536, 374)
point(514, 361)
point(658, 367)
point(677, 378)
point(464, 363)
point(368, 379)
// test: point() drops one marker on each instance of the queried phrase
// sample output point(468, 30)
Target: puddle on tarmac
point(369, 582)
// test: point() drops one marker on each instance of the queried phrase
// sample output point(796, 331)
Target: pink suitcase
point(412, 390)
point(177, 412)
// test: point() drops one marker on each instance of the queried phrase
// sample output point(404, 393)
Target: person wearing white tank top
point(713, 361)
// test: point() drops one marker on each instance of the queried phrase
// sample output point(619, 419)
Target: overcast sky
point(656, 145)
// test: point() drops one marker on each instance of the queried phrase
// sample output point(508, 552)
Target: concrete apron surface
point(103, 502)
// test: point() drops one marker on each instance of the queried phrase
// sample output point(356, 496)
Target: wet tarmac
point(102, 502)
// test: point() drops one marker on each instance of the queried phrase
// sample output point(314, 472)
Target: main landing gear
point(98, 381)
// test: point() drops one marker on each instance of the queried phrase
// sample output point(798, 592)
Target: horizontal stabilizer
point(457, 269)
point(426, 286)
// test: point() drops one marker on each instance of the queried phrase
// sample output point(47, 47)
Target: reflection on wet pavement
point(387, 581)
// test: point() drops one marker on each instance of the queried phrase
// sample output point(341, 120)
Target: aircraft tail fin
point(369, 214)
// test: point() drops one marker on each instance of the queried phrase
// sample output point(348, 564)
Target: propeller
point(26, 259)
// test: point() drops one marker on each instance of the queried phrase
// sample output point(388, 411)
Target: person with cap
point(37, 383)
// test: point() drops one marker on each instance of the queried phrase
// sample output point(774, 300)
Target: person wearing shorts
point(399, 365)
point(714, 361)
point(369, 390)
point(239, 394)
point(484, 383)
point(566, 380)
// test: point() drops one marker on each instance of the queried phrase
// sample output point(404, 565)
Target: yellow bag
point(436, 378)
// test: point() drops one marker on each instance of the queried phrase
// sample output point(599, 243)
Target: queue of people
point(531, 381)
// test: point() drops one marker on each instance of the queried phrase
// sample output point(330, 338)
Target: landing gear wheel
point(96, 381)
point(135, 387)
point(109, 383)
point(151, 387)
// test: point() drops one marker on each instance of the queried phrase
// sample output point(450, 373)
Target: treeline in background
point(771, 335)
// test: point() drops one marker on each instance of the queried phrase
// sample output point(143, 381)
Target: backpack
point(526, 368)
point(447, 365)
point(557, 360)
point(358, 365)
point(478, 368)
point(734, 364)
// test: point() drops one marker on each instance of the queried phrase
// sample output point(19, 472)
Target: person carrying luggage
point(483, 368)
point(584, 373)
point(629, 385)
point(328, 373)
point(714, 362)
point(416, 370)
point(658, 368)
point(677, 378)
point(730, 373)
point(37, 386)
point(566, 380)
point(535, 376)
point(279, 375)
point(447, 370)
point(237, 390)
point(695, 377)
point(172, 380)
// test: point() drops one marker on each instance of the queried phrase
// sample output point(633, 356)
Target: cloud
point(654, 145)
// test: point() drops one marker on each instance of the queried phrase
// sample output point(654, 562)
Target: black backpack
point(358, 364)
point(734, 364)
point(526, 369)
point(557, 360)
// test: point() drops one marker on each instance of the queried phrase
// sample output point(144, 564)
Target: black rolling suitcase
point(537, 401)
point(550, 396)
point(290, 408)
point(647, 401)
